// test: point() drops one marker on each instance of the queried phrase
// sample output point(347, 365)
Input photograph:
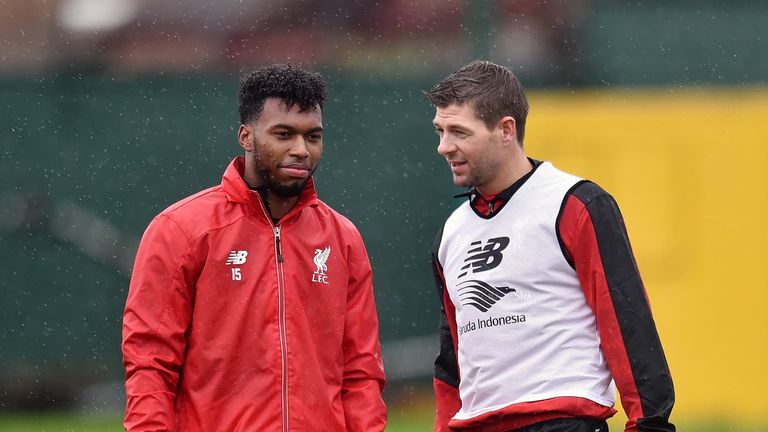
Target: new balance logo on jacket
point(237, 257)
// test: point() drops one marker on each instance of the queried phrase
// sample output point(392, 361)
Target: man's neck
point(511, 173)
point(280, 206)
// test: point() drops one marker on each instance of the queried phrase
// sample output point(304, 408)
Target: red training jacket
point(233, 323)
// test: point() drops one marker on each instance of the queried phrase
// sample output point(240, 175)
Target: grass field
point(400, 420)
point(61, 422)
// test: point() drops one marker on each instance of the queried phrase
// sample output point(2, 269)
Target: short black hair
point(494, 91)
point(292, 84)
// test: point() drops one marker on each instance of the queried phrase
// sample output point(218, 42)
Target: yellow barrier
point(689, 168)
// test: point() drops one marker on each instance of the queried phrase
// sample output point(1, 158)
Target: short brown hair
point(494, 91)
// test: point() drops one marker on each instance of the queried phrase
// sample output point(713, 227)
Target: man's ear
point(508, 129)
point(245, 138)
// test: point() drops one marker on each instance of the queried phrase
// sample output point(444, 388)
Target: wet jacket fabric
point(234, 323)
point(544, 313)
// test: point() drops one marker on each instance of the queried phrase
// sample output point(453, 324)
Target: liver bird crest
point(321, 256)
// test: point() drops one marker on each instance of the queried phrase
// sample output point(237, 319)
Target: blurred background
point(114, 109)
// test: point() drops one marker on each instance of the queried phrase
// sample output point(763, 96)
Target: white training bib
point(525, 330)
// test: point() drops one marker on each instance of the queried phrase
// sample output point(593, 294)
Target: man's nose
point(445, 146)
point(300, 147)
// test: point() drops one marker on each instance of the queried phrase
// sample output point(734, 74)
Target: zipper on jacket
point(278, 249)
point(281, 317)
point(281, 325)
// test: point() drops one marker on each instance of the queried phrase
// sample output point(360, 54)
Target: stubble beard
point(281, 189)
point(468, 180)
point(479, 175)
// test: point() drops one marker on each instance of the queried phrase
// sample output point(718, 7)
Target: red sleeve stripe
point(450, 311)
point(593, 233)
point(446, 382)
point(589, 269)
point(447, 404)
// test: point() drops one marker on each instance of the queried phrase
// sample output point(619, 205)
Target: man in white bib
point(544, 314)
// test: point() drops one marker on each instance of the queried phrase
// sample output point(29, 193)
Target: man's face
point(472, 151)
point(286, 147)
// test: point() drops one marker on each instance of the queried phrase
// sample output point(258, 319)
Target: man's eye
point(439, 132)
point(315, 137)
point(282, 134)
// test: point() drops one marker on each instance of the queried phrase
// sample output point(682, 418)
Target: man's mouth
point(296, 170)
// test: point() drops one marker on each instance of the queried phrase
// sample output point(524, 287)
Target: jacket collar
point(237, 190)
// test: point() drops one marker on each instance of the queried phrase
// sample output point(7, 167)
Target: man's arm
point(446, 380)
point(157, 314)
point(364, 409)
point(596, 243)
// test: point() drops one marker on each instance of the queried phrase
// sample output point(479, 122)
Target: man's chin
point(461, 182)
point(288, 189)
point(284, 187)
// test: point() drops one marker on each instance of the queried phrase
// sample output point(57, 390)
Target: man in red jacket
point(544, 314)
point(251, 304)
